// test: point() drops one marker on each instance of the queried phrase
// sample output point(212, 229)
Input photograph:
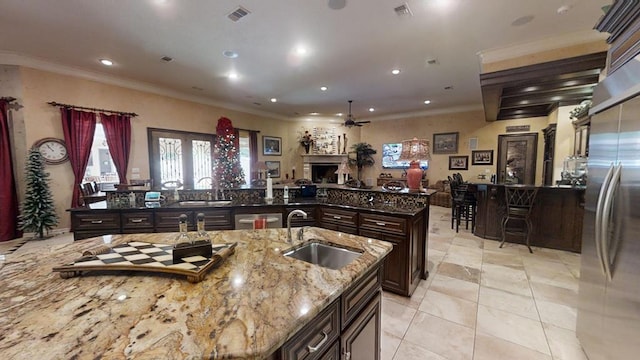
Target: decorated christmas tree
point(38, 211)
point(226, 165)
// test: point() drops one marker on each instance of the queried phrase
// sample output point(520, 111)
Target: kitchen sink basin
point(204, 203)
point(324, 255)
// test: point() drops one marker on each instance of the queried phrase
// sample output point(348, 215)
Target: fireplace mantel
point(324, 158)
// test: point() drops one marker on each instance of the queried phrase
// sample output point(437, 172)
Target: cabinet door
point(137, 221)
point(168, 221)
point(217, 219)
point(361, 340)
point(395, 264)
point(316, 337)
point(298, 221)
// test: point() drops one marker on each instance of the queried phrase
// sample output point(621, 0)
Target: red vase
point(414, 176)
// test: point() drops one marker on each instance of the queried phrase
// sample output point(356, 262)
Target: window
point(245, 156)
point(100, 167)
point(180, 159)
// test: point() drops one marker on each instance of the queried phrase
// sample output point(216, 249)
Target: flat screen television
point(390, 154)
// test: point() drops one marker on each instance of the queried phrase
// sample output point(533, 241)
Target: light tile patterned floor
point(481, 302)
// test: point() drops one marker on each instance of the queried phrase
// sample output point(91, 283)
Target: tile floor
point(479, 302)
point(482, 302)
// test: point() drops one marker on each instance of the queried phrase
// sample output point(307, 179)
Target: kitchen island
point(258, 304)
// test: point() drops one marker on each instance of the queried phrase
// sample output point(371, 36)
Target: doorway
point(517, 158)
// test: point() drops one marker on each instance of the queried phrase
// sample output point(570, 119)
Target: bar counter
point(556, 216)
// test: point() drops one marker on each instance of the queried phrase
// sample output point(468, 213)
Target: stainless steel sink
point(324, 255)
point(204, 203)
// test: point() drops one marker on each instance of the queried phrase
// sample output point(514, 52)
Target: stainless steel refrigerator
point(608, 324)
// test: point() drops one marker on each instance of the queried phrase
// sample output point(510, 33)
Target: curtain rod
point(53, 103)
point(8, 98)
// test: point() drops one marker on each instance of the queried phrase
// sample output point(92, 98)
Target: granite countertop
point(245, 309)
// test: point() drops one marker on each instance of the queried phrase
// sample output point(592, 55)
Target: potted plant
point(363, 157)
point(306, 140)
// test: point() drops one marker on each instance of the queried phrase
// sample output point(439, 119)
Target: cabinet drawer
point(316, 337)
point(93, 221)
point(137, 220)
point(390, 224)
point(217, 219)
point(356, 297)
point(339, 216)
point(169, 220)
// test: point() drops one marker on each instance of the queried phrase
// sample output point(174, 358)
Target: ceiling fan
point(350, 121)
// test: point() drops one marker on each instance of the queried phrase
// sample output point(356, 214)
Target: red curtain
point(117, 129)
point(8, 195)
point(78, 127)
point(253, 153)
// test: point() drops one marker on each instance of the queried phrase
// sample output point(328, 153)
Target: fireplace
point(319, 167)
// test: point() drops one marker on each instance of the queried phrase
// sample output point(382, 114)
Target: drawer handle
point(96, 221)
point(381, 224)
point(137, 220)
point(337, 217)
point(313, 349)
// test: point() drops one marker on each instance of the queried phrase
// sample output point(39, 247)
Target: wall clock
point(53, 151)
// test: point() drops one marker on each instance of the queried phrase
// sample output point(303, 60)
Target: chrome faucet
point(291, 214)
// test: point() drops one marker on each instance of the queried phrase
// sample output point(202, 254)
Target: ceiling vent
point(238, 14)
point(166, 58)
point(403, 10)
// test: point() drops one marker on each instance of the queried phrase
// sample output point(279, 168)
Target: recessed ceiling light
point(106, 62)
point(339, 114)
point(230, 54)
point(427, 102)
point(314, 113)
point(301, 50)
point(233, 76)
point(274, 100)
point(324, 88)
point(372, 109)
point(395, 71)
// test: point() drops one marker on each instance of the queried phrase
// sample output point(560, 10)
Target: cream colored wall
point(43, 120)
point(565, 139)
point(468, 124)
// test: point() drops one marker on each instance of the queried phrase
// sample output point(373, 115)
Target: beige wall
point(34, 88)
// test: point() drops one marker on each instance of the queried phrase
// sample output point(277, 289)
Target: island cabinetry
point(297, 221)
point(168, 220)
point(95, 223)
point(405, 265)
point(339, 219)
point(137, 221)
point(217, 219)
point(349, 328)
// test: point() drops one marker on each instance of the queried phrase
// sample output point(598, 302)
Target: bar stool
point(463, 203)
point(520, 200)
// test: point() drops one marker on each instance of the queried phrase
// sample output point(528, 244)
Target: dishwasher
point(258, 221)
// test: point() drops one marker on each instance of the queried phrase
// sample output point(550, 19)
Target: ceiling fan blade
point(363, 122)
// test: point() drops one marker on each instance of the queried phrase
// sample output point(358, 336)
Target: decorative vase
point(306, 148)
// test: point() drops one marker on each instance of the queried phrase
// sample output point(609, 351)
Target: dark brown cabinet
point(168, 220)
point(95, 223)
point(339, 219)
point(405, 265)
point(349, 328)
point(137, 221)
point(217, 219)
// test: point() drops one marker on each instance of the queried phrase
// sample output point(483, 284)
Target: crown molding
point(533, 47)
point(10, 58)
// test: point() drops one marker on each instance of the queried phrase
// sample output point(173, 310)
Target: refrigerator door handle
point(599, 208)
point(606, 212)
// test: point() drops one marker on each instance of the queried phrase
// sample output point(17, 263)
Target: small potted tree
point(363, 152)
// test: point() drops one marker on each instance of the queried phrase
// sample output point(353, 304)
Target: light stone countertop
point(244, 309)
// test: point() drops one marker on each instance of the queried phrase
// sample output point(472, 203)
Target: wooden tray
point(142, 256)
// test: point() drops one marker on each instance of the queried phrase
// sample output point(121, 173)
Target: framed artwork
point(445, 143)
point(273, 168)
point(271, 145)
point(482, 157)
point(459, 162)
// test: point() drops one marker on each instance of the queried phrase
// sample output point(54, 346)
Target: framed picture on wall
point(445, 143)
point(273, 168)
point(459, 162)
point(271, 145)
point(482, 157)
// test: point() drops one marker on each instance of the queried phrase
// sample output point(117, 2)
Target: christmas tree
point(38, 211)
point(226, 165)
